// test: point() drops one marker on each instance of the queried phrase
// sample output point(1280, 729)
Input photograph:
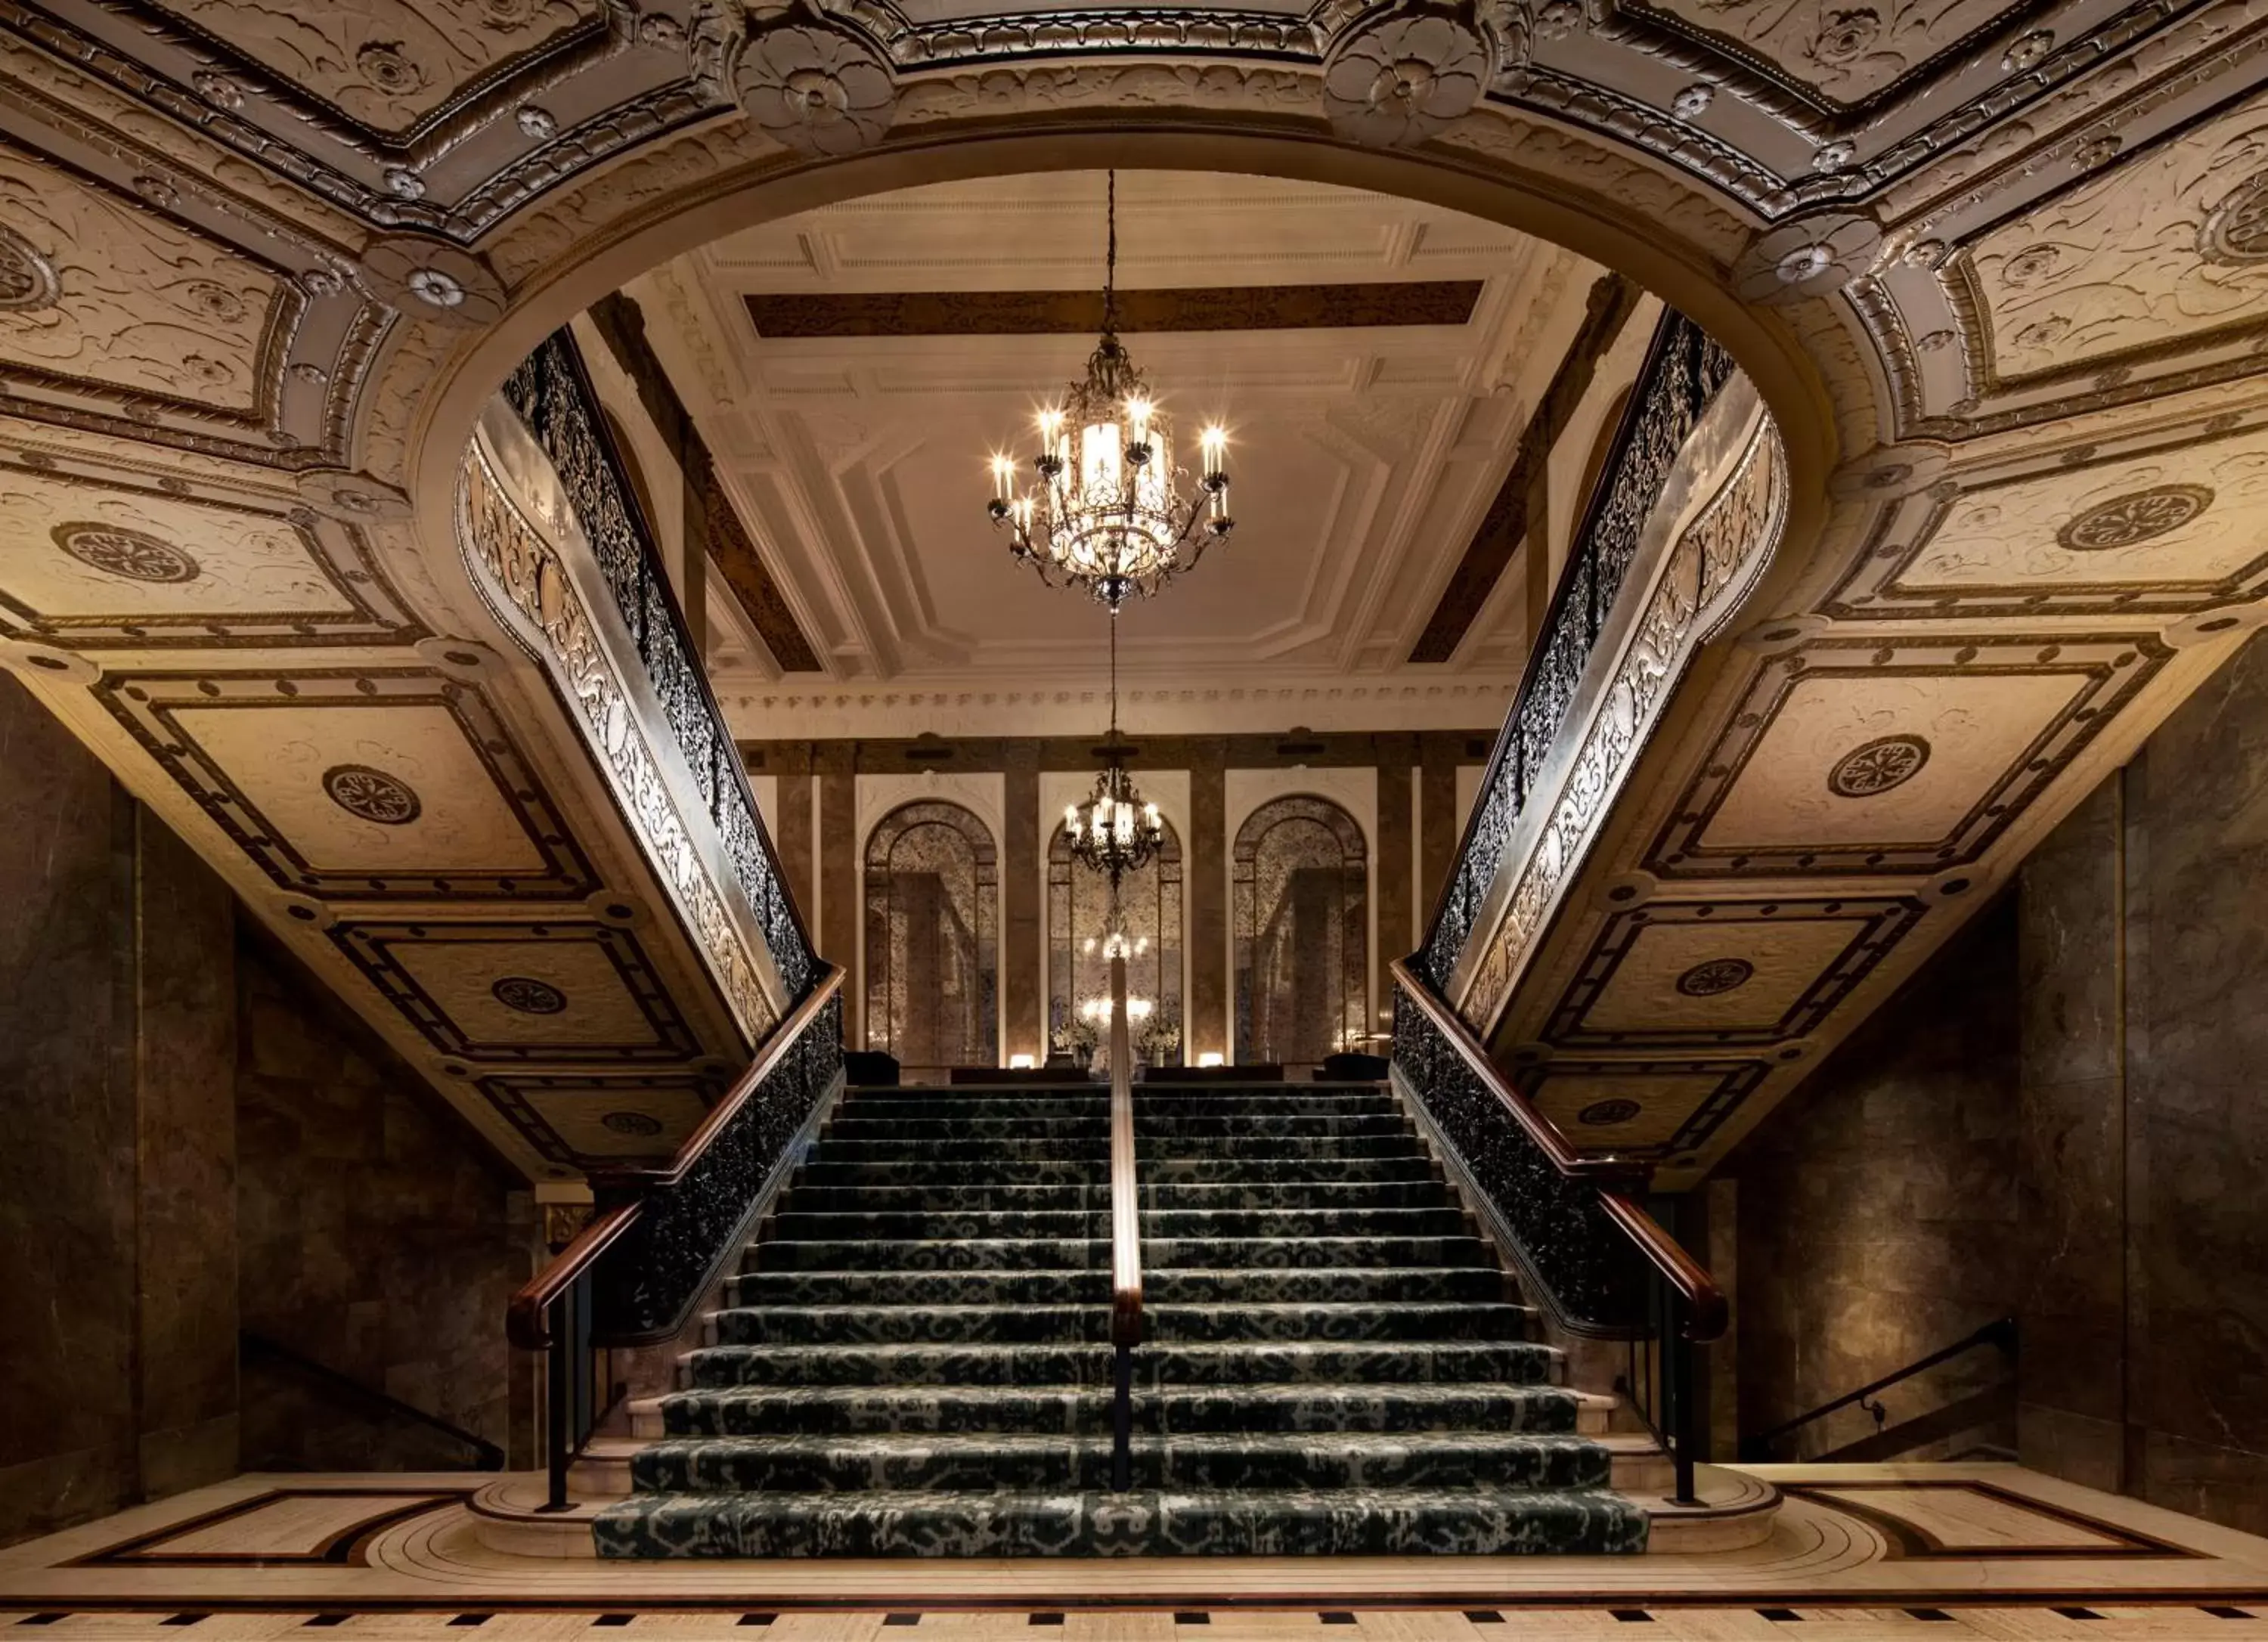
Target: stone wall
point(1877, 1212)
point(2061, 1120)
point(379, 1239)
point(117, 1205)
point(199, 1141)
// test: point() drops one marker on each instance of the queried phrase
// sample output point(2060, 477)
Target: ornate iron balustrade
point(1683, 372)
point(552, 394)
point(662, 1237)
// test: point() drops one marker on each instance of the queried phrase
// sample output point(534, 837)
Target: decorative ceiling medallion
point(2124, 521)
point(27, 280)
point(634, 1123)
point(1607, 1114)
point(133, 554)
point(2237, 231)
point(371, 794)
point(529, 995)
point(1399, 77)
point(425, 278)
point(1874, 768)
point(817, 88)
point(1811, 256)
point(1715, 977)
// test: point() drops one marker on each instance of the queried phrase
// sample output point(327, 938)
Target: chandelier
point(1115, 831)
point(1106, 509)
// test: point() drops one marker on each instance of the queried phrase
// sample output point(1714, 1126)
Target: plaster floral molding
point(817, 86)
point(1715, 560)
point(423, 278)
point(1403, 74)
point(522, 574)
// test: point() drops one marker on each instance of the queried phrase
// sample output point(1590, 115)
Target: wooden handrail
point(1707, 1314)
point(1611, 1173)
point(524, 1322)
point(1125, 1190)
point(743, 1089)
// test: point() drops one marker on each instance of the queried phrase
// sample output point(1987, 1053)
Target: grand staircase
point(914, 1360)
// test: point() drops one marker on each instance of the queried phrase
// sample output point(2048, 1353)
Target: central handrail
point(1707, 1314)
point(526, 1320)
point(1125, 1232)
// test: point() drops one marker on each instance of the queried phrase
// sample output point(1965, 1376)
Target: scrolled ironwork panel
point(646, 1282)
point(552, 394)
point(1683, 372)
point(1595, 1279)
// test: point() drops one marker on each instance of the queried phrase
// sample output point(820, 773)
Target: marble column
point(1437, 818)
point(795, 842)
point(834, 766)
point(1207, 1018)
point(1019, 884)
point(1396, 895)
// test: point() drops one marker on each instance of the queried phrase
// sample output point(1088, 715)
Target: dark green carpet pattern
point(915, 1359)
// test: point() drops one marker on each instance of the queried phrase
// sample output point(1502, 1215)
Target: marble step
point(1157, 1127)
point(1167, 1323)
point(853, 1126)
point(1096, 1102)
point(1321, 1365)
point(1009, 1154)
point(854, 1462)
point(929, 1224)
point(1020, 1254)
point(886, 1324)
point(1438, 1220)
point(811, 1411)
point(922, 1199)
point(1216, 1093)
point(1055, 1523)
point(975, 1171)
point(1187, 1285)
point(1278, 1253)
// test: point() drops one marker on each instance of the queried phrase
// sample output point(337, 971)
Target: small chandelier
point(1115, 831)
point(1107, 511)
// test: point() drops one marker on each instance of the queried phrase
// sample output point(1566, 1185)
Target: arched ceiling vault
point(2000, 273)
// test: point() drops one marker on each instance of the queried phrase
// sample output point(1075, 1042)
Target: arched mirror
point(931, 973)
point(1302, 912)
point(1078, 971)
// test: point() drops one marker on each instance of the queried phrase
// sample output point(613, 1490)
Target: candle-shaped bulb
point(1003, 478)
point(1214, 444)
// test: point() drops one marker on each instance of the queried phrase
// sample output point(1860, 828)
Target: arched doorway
point(932, 937)
point(1301, 879)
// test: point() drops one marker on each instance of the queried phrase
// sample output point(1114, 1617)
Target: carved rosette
point(423, 279)
point(1396, 76)
point(1812, 256)
point(817, 87)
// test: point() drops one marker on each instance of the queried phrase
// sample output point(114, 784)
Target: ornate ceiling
point(1998, 273)
point(1377, 361)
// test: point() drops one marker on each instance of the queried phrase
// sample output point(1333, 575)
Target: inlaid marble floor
point(1859, 1552)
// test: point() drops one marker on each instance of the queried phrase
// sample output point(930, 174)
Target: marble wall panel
point(1877, 1209)
point(67, 1448)
point(378, 1238)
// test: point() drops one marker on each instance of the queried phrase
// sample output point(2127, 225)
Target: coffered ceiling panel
point(365, 784)
point(97, 292)
point(561, 993)
point(109, 566)
point(2174, 530)
point(1643, 1108)
point(603, 1118)
point(1691, 974)
point(384, 64)
point(1846, 54)
point(1907, 756)
point(2147, 261)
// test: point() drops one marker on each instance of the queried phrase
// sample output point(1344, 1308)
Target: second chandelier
point(1106, 509)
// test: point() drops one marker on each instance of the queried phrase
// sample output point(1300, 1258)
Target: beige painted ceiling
point(1363, 456)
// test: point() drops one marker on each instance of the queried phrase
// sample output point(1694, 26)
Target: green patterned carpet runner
point(915, 1359)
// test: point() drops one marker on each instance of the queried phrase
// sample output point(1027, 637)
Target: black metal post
point(1122, 1422)
point(1685, 1408)
point(558, 1397)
